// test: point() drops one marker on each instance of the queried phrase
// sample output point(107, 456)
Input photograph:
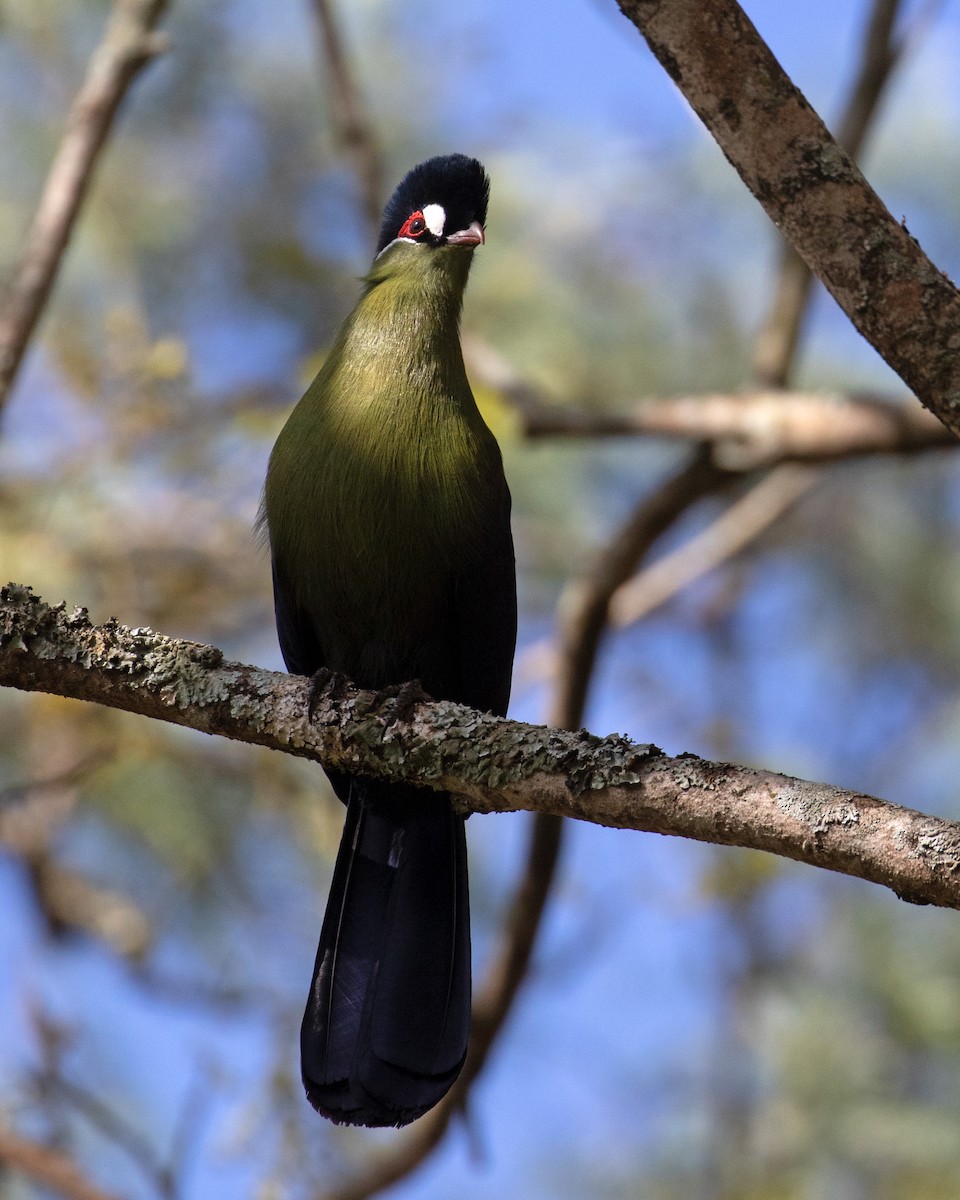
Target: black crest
point(457, 183)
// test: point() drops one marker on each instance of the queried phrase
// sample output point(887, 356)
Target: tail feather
point(385, 1030)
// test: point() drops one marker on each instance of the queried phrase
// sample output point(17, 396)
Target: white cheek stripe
point(435, 218)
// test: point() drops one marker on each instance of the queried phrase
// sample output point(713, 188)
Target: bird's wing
point(485, 618)
point(299, 643)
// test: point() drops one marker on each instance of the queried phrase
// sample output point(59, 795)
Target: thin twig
point(348, 113)
point(116, 1129)
point(128, 44)
point(739, 525)
point(880, 55)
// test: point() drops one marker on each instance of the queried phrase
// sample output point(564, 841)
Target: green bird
point(388, 517)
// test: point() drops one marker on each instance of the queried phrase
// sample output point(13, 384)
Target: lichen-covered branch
point(129, 42)
point(494, 765)
point(812, 190)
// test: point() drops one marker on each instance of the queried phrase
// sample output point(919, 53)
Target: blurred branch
point(747, 429)
point(348, 114)
point(750, 429)
point(70, 901)
point(778, 338)
point(879, 57)
point(812, 190)
point(117, 1130)
point(31, 815)
point(634, 599)
point(50, 1168)
point(128, 44)
point(18, 793)
point(742, 523)
point(490, 763)
point(584, 604)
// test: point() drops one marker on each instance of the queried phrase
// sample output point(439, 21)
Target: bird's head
point(442, 202)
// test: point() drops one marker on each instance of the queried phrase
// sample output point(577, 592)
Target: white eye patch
point(435, 218)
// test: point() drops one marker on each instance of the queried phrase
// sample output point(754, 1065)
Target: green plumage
point(389, 525)
point(389, 455)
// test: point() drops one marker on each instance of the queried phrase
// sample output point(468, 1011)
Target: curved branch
point(585, 606)
point(491, 764)
point(746, 519)
point(128, 44)
point(812, 190)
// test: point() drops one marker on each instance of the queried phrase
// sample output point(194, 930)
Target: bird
point(387, 514)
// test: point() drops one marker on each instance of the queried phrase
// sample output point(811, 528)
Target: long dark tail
point(385, 1030)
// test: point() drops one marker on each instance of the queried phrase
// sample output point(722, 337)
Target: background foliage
point(699, 1023)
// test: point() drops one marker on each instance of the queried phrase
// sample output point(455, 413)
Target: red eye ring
point(413, 226)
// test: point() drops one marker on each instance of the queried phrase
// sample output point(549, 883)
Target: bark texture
point(492, 764)
point(812, 190)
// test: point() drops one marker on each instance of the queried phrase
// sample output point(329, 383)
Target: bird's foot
point(326, 684)
point(406, 696)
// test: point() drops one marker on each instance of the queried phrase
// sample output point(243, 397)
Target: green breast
point(384, 488)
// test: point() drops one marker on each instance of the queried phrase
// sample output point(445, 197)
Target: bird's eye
point(413, 226)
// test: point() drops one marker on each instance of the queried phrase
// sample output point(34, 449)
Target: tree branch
point(777, 341)
point(128, 44)
point(584, 607)
point(742, 523)
point(812, 191)
point(749, 428)
point(492, 764)
point(348, 114)
point(752, 429)
point(31, 815)
point(51, 1168)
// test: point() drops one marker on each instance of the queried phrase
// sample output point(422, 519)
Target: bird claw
point(325, 683)
point(406, 696)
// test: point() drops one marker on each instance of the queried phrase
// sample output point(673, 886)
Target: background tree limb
point(49, 1167)
point(129, 43)
point(776, 345)
point(812, 190)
